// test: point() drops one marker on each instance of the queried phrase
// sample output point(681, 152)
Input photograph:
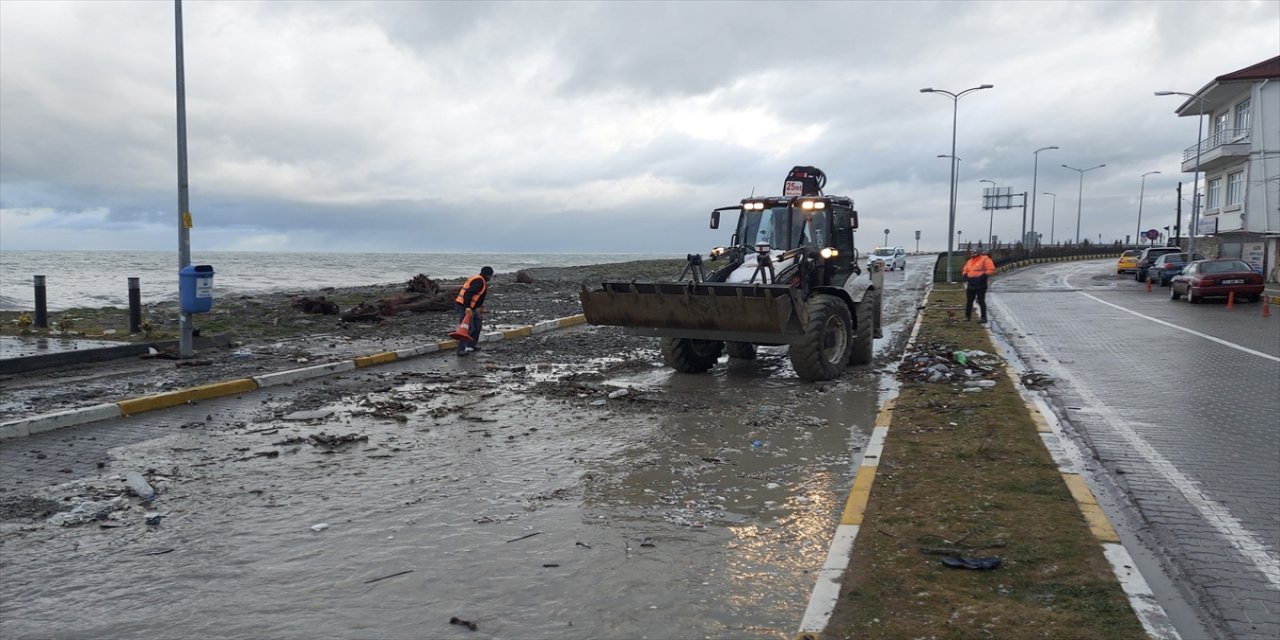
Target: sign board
point(917, 235)
point(1152, 234)
point(997, 198)
point(1252, 253)
point(1207, 225)
point(792, 188)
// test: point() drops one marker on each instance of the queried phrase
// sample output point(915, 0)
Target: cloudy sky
point(576, 126)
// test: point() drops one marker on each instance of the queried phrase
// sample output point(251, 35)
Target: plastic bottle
point(960, 358)
point(140, 486)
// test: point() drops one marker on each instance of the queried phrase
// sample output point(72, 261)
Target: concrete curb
point(24, 427)
point(826, 590)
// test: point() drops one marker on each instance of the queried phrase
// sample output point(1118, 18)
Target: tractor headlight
point(828, 253)
point(717, 252)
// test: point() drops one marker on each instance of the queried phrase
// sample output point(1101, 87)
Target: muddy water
point(692, 506)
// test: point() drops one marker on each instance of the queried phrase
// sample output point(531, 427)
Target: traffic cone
point(1148, 285)
point(1266, 307)
point(1231, 299)
point(463, 332)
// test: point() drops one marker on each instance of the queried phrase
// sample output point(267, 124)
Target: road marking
point(1211, 512)
point(1174, 326)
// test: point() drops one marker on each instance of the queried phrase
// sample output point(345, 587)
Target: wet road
point(1181, 405)
point(491, 490)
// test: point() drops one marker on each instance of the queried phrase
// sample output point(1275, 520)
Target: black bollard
point(42, 307)
point(135, 306)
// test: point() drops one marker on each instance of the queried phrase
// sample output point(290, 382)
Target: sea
point(96, 279)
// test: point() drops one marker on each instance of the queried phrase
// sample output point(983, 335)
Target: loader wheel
point(691, 356)
point(824, 351)
point(860, 352)
point(741, 350)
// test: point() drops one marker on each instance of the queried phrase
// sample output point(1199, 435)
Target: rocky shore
point(268, 333)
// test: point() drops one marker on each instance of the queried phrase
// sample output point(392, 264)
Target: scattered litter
point(583, 545)
point(523, 537)
point(648, 542)
point(152, 518)
point(156, 552)
point(320, 414)
point(549, 565)
point(400, 573)
point(466, 623)
point(976, 564)
point(320, 527)
point(614, 395)
point(598, 403)
point(139, 486)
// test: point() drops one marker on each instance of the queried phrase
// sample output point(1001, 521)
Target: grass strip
point(965, 474)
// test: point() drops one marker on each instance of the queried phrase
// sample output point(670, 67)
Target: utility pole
point(185, 349)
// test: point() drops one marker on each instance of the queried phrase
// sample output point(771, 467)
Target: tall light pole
point(1053, 214)
point(1035, 171)
point(186, 331)
point(991, 218)
point(955, 110)
point(1137, 237)
point(955, 163)
point(1195, 188)
point(1080, 197)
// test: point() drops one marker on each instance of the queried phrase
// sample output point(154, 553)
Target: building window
point(1242, 115)
point(1215, 194)
point(1235, 188)
point(1220, 124)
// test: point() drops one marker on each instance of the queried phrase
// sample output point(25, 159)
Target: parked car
point(1128, 261)
point(890, 257)
point(1167, 266)
point(1216, 279)
point(1149, 256)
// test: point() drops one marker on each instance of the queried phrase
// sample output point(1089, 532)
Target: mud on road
point(565, 484)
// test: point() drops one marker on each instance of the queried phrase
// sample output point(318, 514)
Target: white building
point(1240, 159)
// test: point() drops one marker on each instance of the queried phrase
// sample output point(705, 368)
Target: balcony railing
point(1226, 136)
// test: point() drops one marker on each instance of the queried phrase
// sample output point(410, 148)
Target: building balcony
point(1219, 150)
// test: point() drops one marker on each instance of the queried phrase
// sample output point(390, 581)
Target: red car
point(1216, 278)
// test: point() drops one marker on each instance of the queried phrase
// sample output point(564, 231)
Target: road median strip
point(967, 480)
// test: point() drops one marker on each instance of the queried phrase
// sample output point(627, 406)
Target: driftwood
point(421, 294)
point(363, 312)
point(314, 305)
point(422, 284)
point(416, 302)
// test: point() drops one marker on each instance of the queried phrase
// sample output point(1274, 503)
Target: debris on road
point(466, 623)
point(399, 573)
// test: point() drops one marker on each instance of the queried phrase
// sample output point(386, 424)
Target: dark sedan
point(1166, 266)
point(1216, 279)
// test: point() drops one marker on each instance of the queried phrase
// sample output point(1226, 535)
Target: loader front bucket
point(705, 308)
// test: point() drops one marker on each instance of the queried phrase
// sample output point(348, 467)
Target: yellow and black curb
point(24, 427)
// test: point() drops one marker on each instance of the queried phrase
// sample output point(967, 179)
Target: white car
point(890, 258)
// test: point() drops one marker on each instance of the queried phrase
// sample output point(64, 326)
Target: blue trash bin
point(195, 287)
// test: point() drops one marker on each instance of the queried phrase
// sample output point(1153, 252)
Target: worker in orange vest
point(471, 298)
point(977, 271)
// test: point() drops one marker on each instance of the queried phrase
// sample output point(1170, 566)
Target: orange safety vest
point(979, 265)
point(475, 299)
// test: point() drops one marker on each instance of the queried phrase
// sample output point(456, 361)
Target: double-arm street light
point(955, 162)
point(955, 109)
point(992, 217)
point(1195, 189)
point(1137, 237)
point(1035, 171)
point(1053, 214)
point(1080, 196)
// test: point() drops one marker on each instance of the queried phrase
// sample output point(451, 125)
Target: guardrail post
point(42, 310)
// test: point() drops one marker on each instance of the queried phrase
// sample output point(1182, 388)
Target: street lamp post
point(991, 218)
point(1035, 171)
point(1080, 196)
point(1195, 188)
point(1141, 192)
point(1053, 214)
point(955, 109)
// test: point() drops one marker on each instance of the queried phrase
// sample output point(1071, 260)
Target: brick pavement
point(1188, 427)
